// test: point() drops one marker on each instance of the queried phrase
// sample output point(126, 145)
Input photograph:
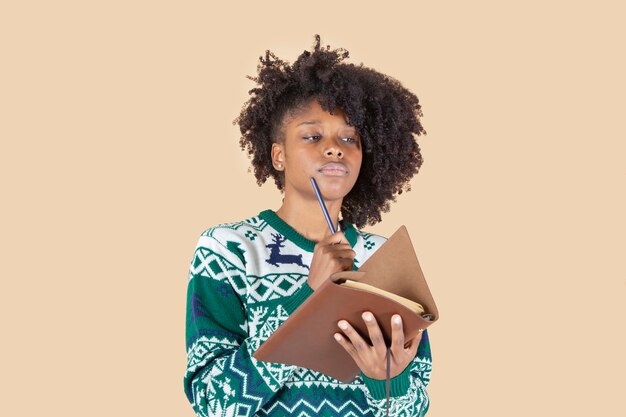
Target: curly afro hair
point(384, 113)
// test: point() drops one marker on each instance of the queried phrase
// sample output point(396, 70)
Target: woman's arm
point(222, 377)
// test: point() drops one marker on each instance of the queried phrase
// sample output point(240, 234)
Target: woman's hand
point(330, 255)
point(372, 359)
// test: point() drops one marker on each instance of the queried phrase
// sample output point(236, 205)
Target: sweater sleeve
point(222, 378)
point(407, 391)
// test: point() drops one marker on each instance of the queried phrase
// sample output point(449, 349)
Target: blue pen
point(321, 200)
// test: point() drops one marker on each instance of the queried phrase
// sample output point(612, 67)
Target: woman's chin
point(334, 190)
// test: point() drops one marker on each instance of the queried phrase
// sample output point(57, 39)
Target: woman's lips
point(334, 169)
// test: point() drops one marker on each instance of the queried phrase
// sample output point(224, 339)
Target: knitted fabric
point(245, 279)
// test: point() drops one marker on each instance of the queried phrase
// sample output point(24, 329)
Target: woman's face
point(320, 145)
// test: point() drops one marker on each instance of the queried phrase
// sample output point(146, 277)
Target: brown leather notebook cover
point(305, 339)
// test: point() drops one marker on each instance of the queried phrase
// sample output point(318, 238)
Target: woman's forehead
point(312, 114)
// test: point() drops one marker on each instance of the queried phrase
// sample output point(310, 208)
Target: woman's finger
point(340, 237)
point(397, 335)
point(346, 345)
point(331, 249)
point(336, 238)
point(376, 336)
point(345, 253)
point(357, 341)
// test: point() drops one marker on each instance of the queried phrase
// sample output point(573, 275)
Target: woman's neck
point(307, 218)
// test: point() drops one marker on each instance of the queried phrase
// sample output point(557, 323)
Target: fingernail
point(343, 325)
point(397, 320)
point(367, 316)
point(337, 337)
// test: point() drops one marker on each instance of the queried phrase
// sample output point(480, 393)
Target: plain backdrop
point(118, 151)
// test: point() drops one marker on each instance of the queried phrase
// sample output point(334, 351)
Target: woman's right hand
point(330, 255)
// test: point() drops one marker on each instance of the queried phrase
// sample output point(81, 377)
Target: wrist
point(398, 385)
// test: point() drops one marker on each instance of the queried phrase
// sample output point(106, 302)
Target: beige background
point(118, 150)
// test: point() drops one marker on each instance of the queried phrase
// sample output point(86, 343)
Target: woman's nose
point(332, 148)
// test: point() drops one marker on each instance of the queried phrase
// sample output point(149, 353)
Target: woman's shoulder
point(370, 237)
point(366, 236)
point(230, 238)
point(233, 229)
point(231, 234)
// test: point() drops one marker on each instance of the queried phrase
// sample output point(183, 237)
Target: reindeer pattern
point(277, 258)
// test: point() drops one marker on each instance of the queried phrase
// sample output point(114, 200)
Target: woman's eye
point(317, 137)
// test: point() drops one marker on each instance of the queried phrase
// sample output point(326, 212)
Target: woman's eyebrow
point(316, 122)
point(309, 122)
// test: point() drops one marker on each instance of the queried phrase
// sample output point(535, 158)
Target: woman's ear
point(278, 156)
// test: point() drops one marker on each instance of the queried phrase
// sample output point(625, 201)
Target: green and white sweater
point(245, 279)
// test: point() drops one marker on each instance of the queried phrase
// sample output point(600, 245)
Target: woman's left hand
point(372, 359)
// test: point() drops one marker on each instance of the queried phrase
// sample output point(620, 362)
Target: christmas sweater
point(245, 279)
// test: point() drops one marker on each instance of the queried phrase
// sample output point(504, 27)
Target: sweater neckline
point(293, 235)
